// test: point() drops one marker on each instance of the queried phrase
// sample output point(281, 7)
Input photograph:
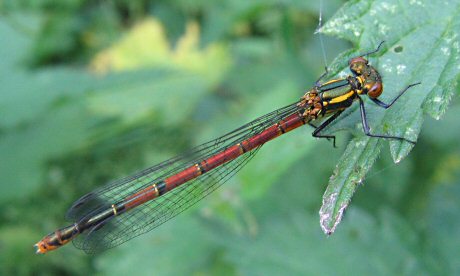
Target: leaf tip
point(326, 219)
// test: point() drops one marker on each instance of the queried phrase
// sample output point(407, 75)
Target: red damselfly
point(124, 209)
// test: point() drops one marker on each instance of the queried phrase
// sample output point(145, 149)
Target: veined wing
point(121, 228)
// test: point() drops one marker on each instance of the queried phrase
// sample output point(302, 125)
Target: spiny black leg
point(385, 105)
point(315, 127)
point(367, 129)
point(373, 51)
point(318, 81)
point(316, 132)
point(312, 125)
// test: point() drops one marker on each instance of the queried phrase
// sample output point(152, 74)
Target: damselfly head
point(357, 65)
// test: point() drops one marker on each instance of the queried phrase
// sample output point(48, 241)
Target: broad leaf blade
point(422, 44)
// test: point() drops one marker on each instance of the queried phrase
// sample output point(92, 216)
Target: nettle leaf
point(421, 45)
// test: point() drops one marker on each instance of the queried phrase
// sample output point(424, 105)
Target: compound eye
point(376, 90)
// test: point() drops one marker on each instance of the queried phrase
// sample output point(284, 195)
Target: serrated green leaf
point(422, 45)
point(356, 161)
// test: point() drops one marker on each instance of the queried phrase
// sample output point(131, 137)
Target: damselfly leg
point(323, 75)
point(367, 54)
point(385, 105)
point(366, 127)
point(317, 131)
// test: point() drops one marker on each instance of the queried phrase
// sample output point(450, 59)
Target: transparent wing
point(119, 229)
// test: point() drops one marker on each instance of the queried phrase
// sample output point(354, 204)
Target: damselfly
point(124, 209)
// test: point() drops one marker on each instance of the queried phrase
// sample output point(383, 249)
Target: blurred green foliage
point(94, 90)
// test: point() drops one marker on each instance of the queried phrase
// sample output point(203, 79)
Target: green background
point(91, 91)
